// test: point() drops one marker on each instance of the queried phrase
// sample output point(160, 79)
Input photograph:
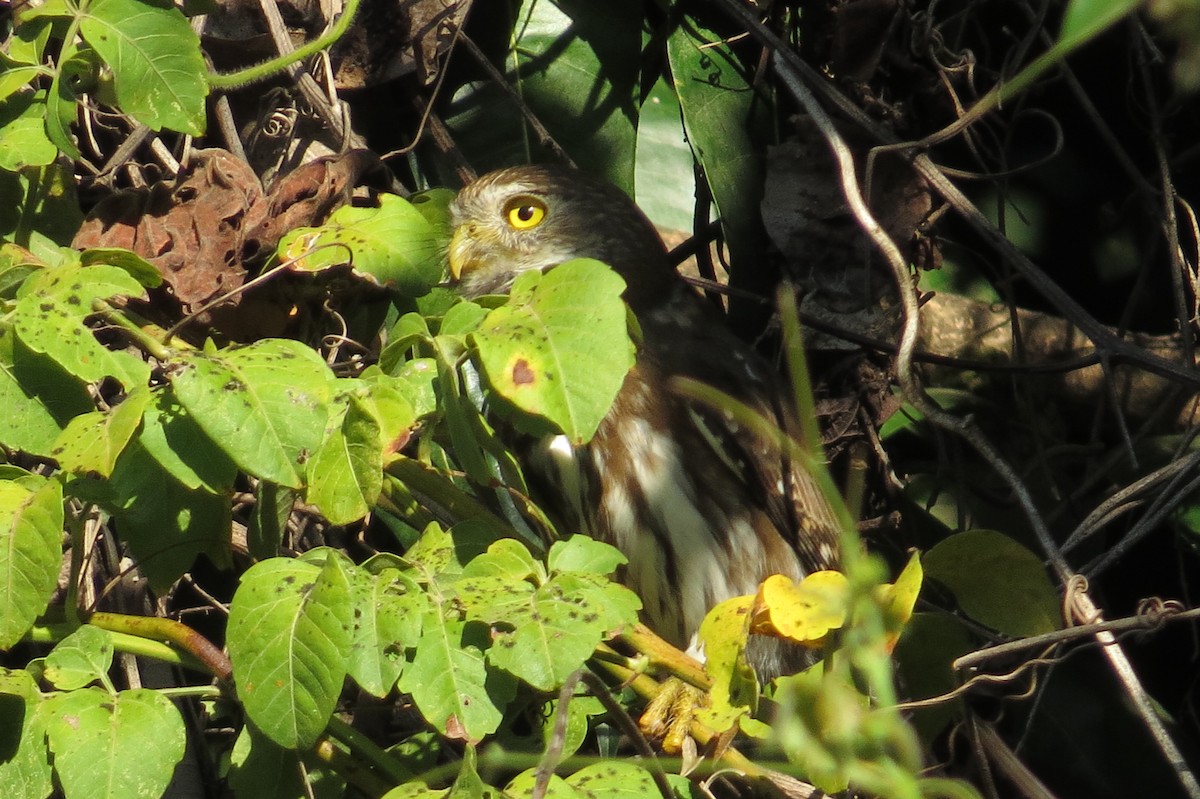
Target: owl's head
point(537, 217)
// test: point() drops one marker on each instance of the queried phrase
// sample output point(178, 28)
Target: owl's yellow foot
point(669, 715)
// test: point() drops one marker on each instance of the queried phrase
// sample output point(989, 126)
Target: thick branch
point(957, 327)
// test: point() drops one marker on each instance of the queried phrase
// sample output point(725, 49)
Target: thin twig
point(543, 135)
point(558, 739)
point(630, 728)
point(1141, 622)
point(1119, 502)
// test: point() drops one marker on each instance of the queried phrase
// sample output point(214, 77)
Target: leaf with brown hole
point(560, 347)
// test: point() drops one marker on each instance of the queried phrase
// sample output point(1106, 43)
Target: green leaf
point(93, 442)
point(155, 59)
point(927, 648)
point(557, 788)
point(996, 581)
point(31, 533)
point(560, 347)
point(445, 553)
point(397, 402)
point(182, 449)
point(40, 211)
point(15, 75)
point(506, 559)
point(722, 111)
point(393, 245)
point(493, 596)
point(575, 64)
point(665, 186)
point(581, 553)
point(552, 636)
point(391, 399)
point(263, 404)
point(124, 746)
point(462, 417)
point(614, 604)
point(1086, 19)
point(345, 474)
point(555, 626)
point(613, 780)
point(408, 330)
point(35, 391)
point(165, 522)
point(80, 286)
point(30, 426)
point(462, 318)
point(269, 519)
point(389, 609)
point(434, 205)
point(27, 42)
point(141, 270)
point(15, 266)
point(288, 635)
point(263, 769)
point(75, 64)
point(24, 760)
point(421, 752)
point(49, 319)
point(419, 377)
point(80, 659)
point(449, 682)
point(580, 709)
point(468, 784)
point(23, 139)
point(577, 69)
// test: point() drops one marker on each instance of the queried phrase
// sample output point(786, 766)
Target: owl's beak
point(460, 253)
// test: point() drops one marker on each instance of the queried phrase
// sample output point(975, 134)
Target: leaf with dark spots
point(263, 412)
point(393, 245)
point(560, 347)
point(290, 639)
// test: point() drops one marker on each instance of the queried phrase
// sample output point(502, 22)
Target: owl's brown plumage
point(703, 509)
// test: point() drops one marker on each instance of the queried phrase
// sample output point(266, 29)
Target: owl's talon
point(668, 717)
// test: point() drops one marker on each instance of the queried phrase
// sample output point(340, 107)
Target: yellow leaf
point(724, 633)
point(899, 598)
point(804, 612)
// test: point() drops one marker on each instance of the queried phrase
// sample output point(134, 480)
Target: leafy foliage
point(347, 485)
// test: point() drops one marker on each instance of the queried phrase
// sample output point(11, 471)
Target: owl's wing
point(686, 340)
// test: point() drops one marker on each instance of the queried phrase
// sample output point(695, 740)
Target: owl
point(703, 508)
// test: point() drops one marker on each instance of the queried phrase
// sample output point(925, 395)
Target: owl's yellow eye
point(524, 213)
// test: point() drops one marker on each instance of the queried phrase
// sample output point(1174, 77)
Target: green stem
point(122, 642)
point(147, 342)
point(75, 525)
point(368, 750)
point(328, 754)
point(271, 67)
point(439, 494)
point(25, 220)
point(169, 631)
point(665, 658)
point(188, 691)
